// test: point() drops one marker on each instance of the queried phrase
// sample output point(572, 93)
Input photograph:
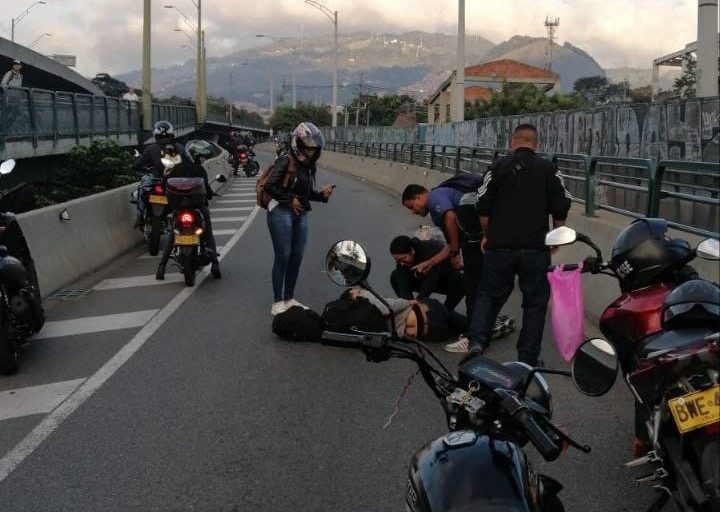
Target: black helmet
point(643, 254)
point(163, 132)
point(695, 303)
point(467, 217)
point(198, 150)
point(307, 135)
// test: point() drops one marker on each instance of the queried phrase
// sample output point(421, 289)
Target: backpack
point(298, 324)
point(345, 313)
point(464, 182)
point(263, 198)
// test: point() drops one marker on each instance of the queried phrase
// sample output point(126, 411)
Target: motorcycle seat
point(675, 340)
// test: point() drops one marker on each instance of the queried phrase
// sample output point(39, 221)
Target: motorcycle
point(492, 411)
point(672, 372)
point(246, 162)
point(21, 310)
point(153, 222)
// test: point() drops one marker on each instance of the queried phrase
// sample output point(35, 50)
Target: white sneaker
point(278, 307)
point(458, 347)
point(292, 302)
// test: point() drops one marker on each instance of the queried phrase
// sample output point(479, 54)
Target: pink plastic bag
point(567, 310)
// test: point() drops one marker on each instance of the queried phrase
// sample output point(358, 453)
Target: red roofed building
point(483, 80)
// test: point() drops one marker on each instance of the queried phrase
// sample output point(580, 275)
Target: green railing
point(684, 193)
point(38, 115)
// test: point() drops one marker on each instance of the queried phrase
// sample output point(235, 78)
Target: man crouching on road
point(518, 194)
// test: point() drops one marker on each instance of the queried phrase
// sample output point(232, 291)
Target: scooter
point(492, 411)
point(21, 310)
point(672, 373)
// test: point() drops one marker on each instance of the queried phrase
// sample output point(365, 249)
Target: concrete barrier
point(99, 230)
point(600, 291)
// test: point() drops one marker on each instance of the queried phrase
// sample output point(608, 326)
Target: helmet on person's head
point(163, 132)
point(198, 151)
point(694, 303)
point(642, 252)
point(307, 135)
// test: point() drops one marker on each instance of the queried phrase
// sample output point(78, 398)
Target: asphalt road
point(200, 407)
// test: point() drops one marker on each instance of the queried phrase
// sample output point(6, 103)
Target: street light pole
point(19, 18)
point(333, 17)
point(460, 74)
point(200, 103)
point(37, 39)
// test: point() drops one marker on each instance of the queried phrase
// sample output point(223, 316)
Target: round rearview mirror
point(167, 162)
point(709, 249)
point(595, 367)
point(7, 166)
point(560, 236)
point(346, 263)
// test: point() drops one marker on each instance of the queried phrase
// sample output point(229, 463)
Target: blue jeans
point(289, 235)
point(500, 266)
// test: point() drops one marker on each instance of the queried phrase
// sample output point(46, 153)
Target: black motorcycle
point(492, 411)
point(245, 158)
point(21, 311)
point(153, 222)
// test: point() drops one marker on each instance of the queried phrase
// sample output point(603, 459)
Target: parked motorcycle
point(492, 411)
point(21, 310)
point(667, 339)
point(246, 161)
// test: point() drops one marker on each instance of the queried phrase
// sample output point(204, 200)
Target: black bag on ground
point(298, 324)
point(345, 313)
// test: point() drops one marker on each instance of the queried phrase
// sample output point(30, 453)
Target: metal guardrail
point(684, 193)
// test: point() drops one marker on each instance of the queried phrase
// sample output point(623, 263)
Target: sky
point(106, 35)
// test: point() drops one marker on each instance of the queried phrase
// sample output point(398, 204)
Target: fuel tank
point(467, 471)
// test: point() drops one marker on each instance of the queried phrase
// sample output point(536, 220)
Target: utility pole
point(367, 113)
point(230, 101)
point(146, 83)
point(706, 69)
point(272, 96)
point(460, 74)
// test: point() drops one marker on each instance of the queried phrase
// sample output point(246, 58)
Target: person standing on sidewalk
point(519, 192)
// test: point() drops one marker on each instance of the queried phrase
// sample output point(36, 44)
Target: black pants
point(449, 283)
point(472, 272)
point(500, 267)
point(207, 237)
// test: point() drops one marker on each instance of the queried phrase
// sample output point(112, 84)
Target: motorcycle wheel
point(710, 472)
point(8, 354)
point(188, 267)
point(156, 224)
point(253, 169)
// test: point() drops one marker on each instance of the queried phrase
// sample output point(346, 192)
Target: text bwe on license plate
point(696, 409)
point(158, 199)
point(187, 240)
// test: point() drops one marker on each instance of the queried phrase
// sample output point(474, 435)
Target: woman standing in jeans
point(291, 184)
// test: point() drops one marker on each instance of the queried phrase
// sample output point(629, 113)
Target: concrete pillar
point(707, 49)
point(655, 80)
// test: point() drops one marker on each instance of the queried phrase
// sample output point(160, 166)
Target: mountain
point(639, 77)
point(413, 62)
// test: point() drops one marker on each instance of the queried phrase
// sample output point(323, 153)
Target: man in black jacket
point(518, 194)
point(441, 278)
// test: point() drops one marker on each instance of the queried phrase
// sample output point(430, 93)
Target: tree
point(685, 84)
point(517, 98)
point(287, 118)
point(592, 88)
point(384, 110)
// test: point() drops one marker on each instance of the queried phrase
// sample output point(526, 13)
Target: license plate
point(696, 410)
point(159, 199)
point(187, 240)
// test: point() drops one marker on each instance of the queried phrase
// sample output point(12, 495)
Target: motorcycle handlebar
point(517, 409)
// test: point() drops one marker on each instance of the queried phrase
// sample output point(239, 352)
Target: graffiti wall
point(676, 130)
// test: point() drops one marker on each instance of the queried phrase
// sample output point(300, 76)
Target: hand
point(457, 262)
point(327, 191)
point(296, 206)
point(554, 249)
point(423, 268)
point(483, 244)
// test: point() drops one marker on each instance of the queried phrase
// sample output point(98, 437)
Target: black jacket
point(302, 184)
point(186, 169)
point(518, 193)
point(151, 158)
point(424, 250)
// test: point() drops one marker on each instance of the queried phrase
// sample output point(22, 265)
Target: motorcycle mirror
point(560, 236)
point(595, 367)
point(7, 166)
point(347, 264)
point(220, 178)
point(709, 249)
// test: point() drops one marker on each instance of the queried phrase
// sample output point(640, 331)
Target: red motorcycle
point(244, 160)
point(665, 327)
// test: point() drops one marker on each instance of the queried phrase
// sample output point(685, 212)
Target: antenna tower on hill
point(550, 26)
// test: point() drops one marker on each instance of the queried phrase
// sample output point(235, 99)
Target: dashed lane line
point(16, 403)
point(136, 281)
point(215, 220)
point(14, 457)
point(92, 324)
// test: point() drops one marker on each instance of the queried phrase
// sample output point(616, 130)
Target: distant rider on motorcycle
point(191, 167)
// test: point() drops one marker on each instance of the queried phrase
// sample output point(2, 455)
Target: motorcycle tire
point(710, 472)
point(188, 268)
point(156, 224)
point(252, 170)
point(8, 354)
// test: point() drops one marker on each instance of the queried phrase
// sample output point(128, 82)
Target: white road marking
point(218, 232)
point(91, 324)
point(224, 232)
point(16, 403)
point(14, 457)
point(233, 209)
point(227, 201)
point(245, 194)
point(228, 219)
point(135, 281)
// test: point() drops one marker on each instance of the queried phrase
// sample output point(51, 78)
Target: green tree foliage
point(685, 84)
point(383, 110)
point(593, 89)
point(286, 118)
point(89, 170)
point(520, 99)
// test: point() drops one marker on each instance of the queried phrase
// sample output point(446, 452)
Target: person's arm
point(6, 79)
point(485, 201)
point(143, 161)
point(560, 198)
